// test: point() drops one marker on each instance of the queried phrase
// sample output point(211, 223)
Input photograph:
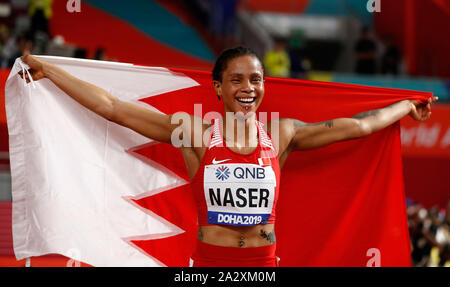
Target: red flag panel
point(337, 203)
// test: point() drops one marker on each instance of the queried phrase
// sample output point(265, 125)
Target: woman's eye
point(235, 80)
point(256, 80)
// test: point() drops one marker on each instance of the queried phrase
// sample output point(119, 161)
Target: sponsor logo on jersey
point(222, 172)
point(246, 173)
point(214, 161)
point(239, 193)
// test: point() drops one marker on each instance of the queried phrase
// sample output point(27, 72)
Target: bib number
point(239, 194)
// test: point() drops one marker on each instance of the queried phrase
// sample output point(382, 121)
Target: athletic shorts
point(207, 255)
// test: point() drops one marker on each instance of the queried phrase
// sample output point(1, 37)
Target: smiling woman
point(224, 79)
point(235, 180)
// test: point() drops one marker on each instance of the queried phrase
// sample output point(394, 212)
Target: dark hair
point(227, 55)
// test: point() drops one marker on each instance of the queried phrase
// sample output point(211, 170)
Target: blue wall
point(155, 21)
point(357, 8)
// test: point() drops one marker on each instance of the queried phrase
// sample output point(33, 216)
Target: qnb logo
point(373, 6)
point(245, 173)
point(73, 6)
point(222, 173)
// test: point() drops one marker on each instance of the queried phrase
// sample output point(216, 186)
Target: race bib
point(239, 194)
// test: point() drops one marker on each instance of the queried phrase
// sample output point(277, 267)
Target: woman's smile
point(246, 102)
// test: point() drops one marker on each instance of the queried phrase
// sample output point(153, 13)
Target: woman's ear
point(218, 88)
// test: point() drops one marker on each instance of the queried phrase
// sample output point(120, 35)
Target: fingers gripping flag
point(119, 199)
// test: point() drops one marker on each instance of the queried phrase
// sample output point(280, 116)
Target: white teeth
point(246, 100)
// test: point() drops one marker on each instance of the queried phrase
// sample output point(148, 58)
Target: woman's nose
point(247, 87)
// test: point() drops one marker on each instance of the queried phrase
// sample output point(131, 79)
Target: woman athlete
point(235, 217)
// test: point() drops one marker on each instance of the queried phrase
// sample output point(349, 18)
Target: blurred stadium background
point(403, 45)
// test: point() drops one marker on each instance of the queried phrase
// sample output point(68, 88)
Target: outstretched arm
point(144, 121)
point(376, 120)
point(304, 136)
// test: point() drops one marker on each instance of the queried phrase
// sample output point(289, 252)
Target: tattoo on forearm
point(298, 123)
point(269, 237)
point(372, 112)
point(328, 123)
point(366, 114)
point(199, 235)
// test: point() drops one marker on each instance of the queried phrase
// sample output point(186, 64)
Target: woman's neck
point(240, 130)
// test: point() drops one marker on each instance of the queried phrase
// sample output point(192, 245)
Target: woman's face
point(242, 86)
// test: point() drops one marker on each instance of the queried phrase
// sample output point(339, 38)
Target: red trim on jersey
point(218, 150)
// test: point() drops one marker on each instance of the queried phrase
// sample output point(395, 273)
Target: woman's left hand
point(421, 112)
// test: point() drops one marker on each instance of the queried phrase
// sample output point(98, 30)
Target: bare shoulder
point(284, 126)
point(280, 124)
point(201, 133)
point(282, 131)
point(192, 126)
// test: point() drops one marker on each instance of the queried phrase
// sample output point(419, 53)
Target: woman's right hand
point(36, 67)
